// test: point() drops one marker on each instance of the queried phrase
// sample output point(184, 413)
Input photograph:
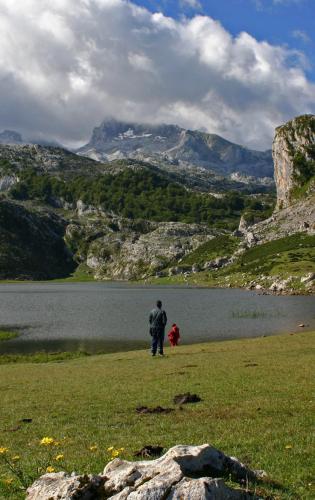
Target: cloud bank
point(68, 64)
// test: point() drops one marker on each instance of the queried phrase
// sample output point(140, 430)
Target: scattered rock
point(26, 420)
point(251, 239)
point(309, 278)
point(158, 409)
point(61, 486)
point(250, 365)
point(182, 399)
point(216, 263)
point(149, 451)
point(184, 472)
point(302, 325)
point(195, 268)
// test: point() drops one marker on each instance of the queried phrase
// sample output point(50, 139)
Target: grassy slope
point(256, 395)
point(221, 246)
point(290, 256)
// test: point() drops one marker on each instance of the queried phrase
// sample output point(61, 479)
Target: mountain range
point(167, 218)
point(173, 145)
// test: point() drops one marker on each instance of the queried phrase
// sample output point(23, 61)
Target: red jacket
point(173, 334)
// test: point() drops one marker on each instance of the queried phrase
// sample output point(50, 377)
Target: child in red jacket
point(173, 335)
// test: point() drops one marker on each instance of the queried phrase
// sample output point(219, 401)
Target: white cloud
point(301, 35)
point(262, 4)
point(193, 4)
point(66, 65)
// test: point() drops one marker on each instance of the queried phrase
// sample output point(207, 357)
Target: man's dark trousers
point(158, 342)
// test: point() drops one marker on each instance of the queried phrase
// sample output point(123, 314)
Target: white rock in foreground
point(184, 472)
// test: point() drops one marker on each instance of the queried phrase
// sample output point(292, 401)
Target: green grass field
point(257, 404)
point(7, 335)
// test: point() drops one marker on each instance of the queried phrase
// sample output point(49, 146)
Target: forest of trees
point(134, 194)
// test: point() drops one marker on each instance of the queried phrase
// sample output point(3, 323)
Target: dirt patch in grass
point(182, 399)
point(144, 410)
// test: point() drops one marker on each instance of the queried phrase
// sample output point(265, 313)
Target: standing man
point(158, 320)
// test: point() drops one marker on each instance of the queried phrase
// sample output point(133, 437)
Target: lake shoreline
point(58, 356)
point(113, 317)
point(161, 283)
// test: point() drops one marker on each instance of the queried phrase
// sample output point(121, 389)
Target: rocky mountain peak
point(173, 145)
point(293, 153)
point(10, 137)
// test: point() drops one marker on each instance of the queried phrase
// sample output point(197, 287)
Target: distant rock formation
point(10, 137)
point(171, 144)
point(294, 158)
point(45, 158)
point(184, 472)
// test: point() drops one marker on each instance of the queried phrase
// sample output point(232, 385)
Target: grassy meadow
point(257, 404)
point(292, 256)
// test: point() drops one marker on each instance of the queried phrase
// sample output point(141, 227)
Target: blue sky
point(236, 68)
point(282, 22)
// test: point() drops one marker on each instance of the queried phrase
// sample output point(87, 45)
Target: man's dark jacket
point(158, 320)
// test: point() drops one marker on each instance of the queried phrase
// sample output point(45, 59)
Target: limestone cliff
point(294, 159)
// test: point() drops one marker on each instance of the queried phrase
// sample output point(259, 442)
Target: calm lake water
point(108, 317)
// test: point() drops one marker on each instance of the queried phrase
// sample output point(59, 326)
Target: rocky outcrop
point(118, 248)
point(31, 244)
point(184, 472)
point(294, 157)
point(298, 217)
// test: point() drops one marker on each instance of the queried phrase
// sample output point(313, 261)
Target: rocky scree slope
point(174, 145)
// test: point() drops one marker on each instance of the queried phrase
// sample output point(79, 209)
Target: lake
point(95, 317)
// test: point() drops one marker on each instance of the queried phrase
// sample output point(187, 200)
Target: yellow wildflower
point(110, 448)
point(47, 441)
point(50, 469)
point(16, 458)
point(115, 453)
point(59, 457)
point(3, 450)
point(288, 447)
point(8, 481)
point(93, 447)
point(121, 450)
